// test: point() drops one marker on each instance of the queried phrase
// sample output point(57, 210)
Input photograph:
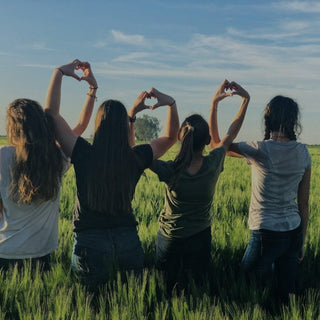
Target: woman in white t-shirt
point(30, 177)
point(279, 208)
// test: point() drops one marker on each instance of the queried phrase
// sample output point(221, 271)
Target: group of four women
point(107, 172)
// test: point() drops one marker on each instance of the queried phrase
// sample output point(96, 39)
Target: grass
point(57, 295)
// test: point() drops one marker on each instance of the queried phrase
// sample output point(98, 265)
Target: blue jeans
point(278, 251)
point(98, 254)
point(179, 258)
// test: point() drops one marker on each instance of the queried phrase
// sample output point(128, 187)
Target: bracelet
point(92, 96)
point(174, 101)
point(132, 120)
point(61, 71)
point(94, 88)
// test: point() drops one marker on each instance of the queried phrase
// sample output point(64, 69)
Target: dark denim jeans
point(181, 258)
point(270, 251)
point(98, 254)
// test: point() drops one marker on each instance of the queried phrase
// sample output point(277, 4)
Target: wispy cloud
point(100, 44)
point(40, 66)
point(299, 6)
point(133, 57)
point(40, 46)
point(135, 39)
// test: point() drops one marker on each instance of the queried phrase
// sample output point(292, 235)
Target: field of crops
point(57, 295)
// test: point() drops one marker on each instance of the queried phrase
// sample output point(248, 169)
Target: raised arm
point(86, 112)
point(161, 145)
point(65, 135)
point(303, 204)
point(137, 106)
point(237, 121)
point(1, 208)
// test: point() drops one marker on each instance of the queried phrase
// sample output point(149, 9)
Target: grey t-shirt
point(277, 170)
point(26, 230)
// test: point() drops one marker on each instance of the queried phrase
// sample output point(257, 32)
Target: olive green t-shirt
point(187, 207)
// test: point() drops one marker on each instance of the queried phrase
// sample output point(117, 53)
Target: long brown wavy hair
point(193, 135)
point(282, 115)
point(110, 183)
point(37, 166)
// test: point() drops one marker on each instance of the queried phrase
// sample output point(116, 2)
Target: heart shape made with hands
point(230, 88)
point(151, 102)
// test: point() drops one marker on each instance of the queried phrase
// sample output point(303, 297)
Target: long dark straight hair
point(37, 166)
point(282, 115)
point(193, 135)
point(110, 177)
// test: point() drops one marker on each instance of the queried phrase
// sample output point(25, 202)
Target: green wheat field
point(57, 294)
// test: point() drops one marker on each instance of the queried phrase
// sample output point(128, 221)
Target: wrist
point(59, 71)
point(173, 103)
point(132, 119)
point(214, 104)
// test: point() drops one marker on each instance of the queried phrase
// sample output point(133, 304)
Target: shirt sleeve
point(145, 155)
point(80, 150)
point(251, 151)
point(66, 164)
point(218, 155)
point(164, 170)
point(308, 159)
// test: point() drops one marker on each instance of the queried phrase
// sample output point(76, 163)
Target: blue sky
point(184, 48)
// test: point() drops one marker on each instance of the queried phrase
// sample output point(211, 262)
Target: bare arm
point(161, 145)
point(1, 208)
point(86, 112)
point(237, 120)
point(65, 135)
point(137, 106)
point(303, 204)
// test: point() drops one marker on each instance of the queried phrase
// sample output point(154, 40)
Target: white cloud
point(135, 39)
point(100, 44)
point(40, 46)
point(35, 65)
point(133, 57)
point(300, 6)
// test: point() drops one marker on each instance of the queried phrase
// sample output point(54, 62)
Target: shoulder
point(219, 152)
point(145, 154)
point(257, 145)
point(304, 151)
point(80, 150)
point(164, 169)
point(6, 153)
point(251, 148)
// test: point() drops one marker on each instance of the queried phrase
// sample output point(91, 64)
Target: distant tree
point(146, 128)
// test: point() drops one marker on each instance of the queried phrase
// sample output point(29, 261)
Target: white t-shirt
point(277, 170)
point(26, 230)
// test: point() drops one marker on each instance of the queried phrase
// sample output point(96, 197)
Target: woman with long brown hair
point(31, 169)
point(107, 172)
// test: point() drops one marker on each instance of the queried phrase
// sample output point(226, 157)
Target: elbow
point(79, 128)
point(172, 141)
point(51, 114)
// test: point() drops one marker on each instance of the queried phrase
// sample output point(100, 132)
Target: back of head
point(109, 180)
point(282, 115)
point(194, 136)
point(37, 164)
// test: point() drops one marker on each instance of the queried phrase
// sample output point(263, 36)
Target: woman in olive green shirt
point(184, 236)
